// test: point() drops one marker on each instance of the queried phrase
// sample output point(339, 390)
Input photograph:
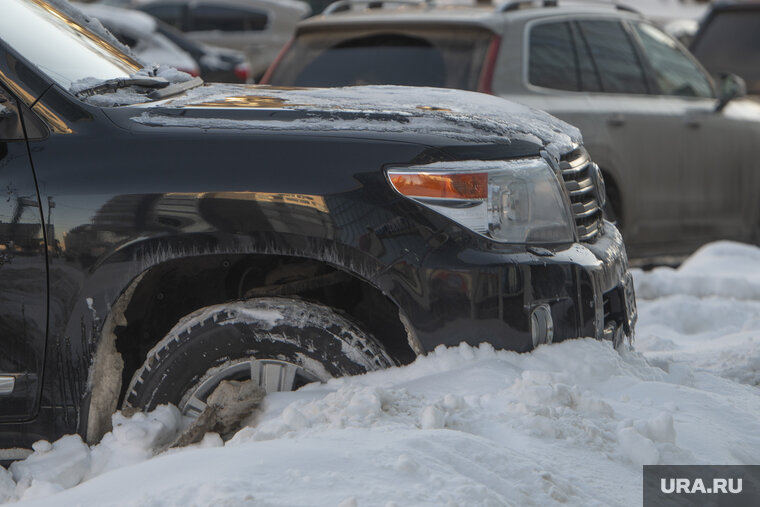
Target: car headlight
point(509, 201)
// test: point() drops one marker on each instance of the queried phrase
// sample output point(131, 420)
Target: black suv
point(201, 233)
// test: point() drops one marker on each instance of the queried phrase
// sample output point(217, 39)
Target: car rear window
point(449, 57)
point(730, 43)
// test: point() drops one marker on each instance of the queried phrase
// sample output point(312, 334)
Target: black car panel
point(23, 273)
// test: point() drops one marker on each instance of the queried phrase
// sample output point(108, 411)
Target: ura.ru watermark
point(689, 486)
point(701, 485)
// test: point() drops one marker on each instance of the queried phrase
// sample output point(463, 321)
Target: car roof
point(483, 16)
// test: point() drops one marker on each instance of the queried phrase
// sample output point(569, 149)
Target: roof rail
point(513, 5)
point(344, 5)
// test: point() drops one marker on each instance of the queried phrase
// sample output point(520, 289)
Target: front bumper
point(612, 291)
point(477, 296)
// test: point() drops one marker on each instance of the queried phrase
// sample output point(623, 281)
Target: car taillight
point(486, 75)
point(243, 72)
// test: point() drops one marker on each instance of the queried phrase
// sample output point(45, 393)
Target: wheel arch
point(176, 281)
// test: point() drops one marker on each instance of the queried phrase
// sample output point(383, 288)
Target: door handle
point(693, 124)
point(616, 120)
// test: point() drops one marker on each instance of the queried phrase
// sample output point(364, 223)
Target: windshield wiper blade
point(175, 88)
point(123, 82)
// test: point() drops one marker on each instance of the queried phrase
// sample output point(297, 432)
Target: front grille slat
point(579, 182)
point(585, 209)
point(575, 187)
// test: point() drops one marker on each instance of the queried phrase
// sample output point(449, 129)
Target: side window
point(614, 56)
point(171, 14)
point(587, 73)
point(552, 61)
point(674, 71)
point(227, 19)
point(10, 122)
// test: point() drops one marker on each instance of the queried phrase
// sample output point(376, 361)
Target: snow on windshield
point(90, 23)
point(466, 425)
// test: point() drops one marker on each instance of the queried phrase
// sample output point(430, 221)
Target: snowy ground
point(569, 423)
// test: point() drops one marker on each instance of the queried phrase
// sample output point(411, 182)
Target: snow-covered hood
point(460, 115)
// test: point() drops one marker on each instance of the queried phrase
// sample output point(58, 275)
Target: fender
point(107, 292)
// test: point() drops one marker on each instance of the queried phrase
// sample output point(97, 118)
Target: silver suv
point(680, 162)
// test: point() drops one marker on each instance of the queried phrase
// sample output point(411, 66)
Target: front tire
point(279, 343)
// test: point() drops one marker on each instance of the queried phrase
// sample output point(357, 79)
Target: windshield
point(450, 57)
point(60, 47)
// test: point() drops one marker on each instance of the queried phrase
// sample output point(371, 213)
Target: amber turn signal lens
point(442, 186)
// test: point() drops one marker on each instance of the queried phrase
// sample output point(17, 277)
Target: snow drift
point(569, 423)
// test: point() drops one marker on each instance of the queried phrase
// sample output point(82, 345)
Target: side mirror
point(730, 87)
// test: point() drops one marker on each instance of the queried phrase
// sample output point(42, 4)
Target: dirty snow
point(569, 423)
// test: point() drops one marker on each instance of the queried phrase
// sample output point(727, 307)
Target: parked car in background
point(138, 30)
point(317, 6)
point(728, 40)
point(140, 33)
point(665, 12)
point(218, 65)
point(679, 157)
point(259, 28)
point(161, 236)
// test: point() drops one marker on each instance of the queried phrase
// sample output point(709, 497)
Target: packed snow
point(706, 314)
point(569, 423)
point(448, 112)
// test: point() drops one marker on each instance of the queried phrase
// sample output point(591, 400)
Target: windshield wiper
point(175, 88)
point(123, 82)
point(163, 87)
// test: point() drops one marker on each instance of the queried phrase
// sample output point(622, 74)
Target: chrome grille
point(577, 173)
